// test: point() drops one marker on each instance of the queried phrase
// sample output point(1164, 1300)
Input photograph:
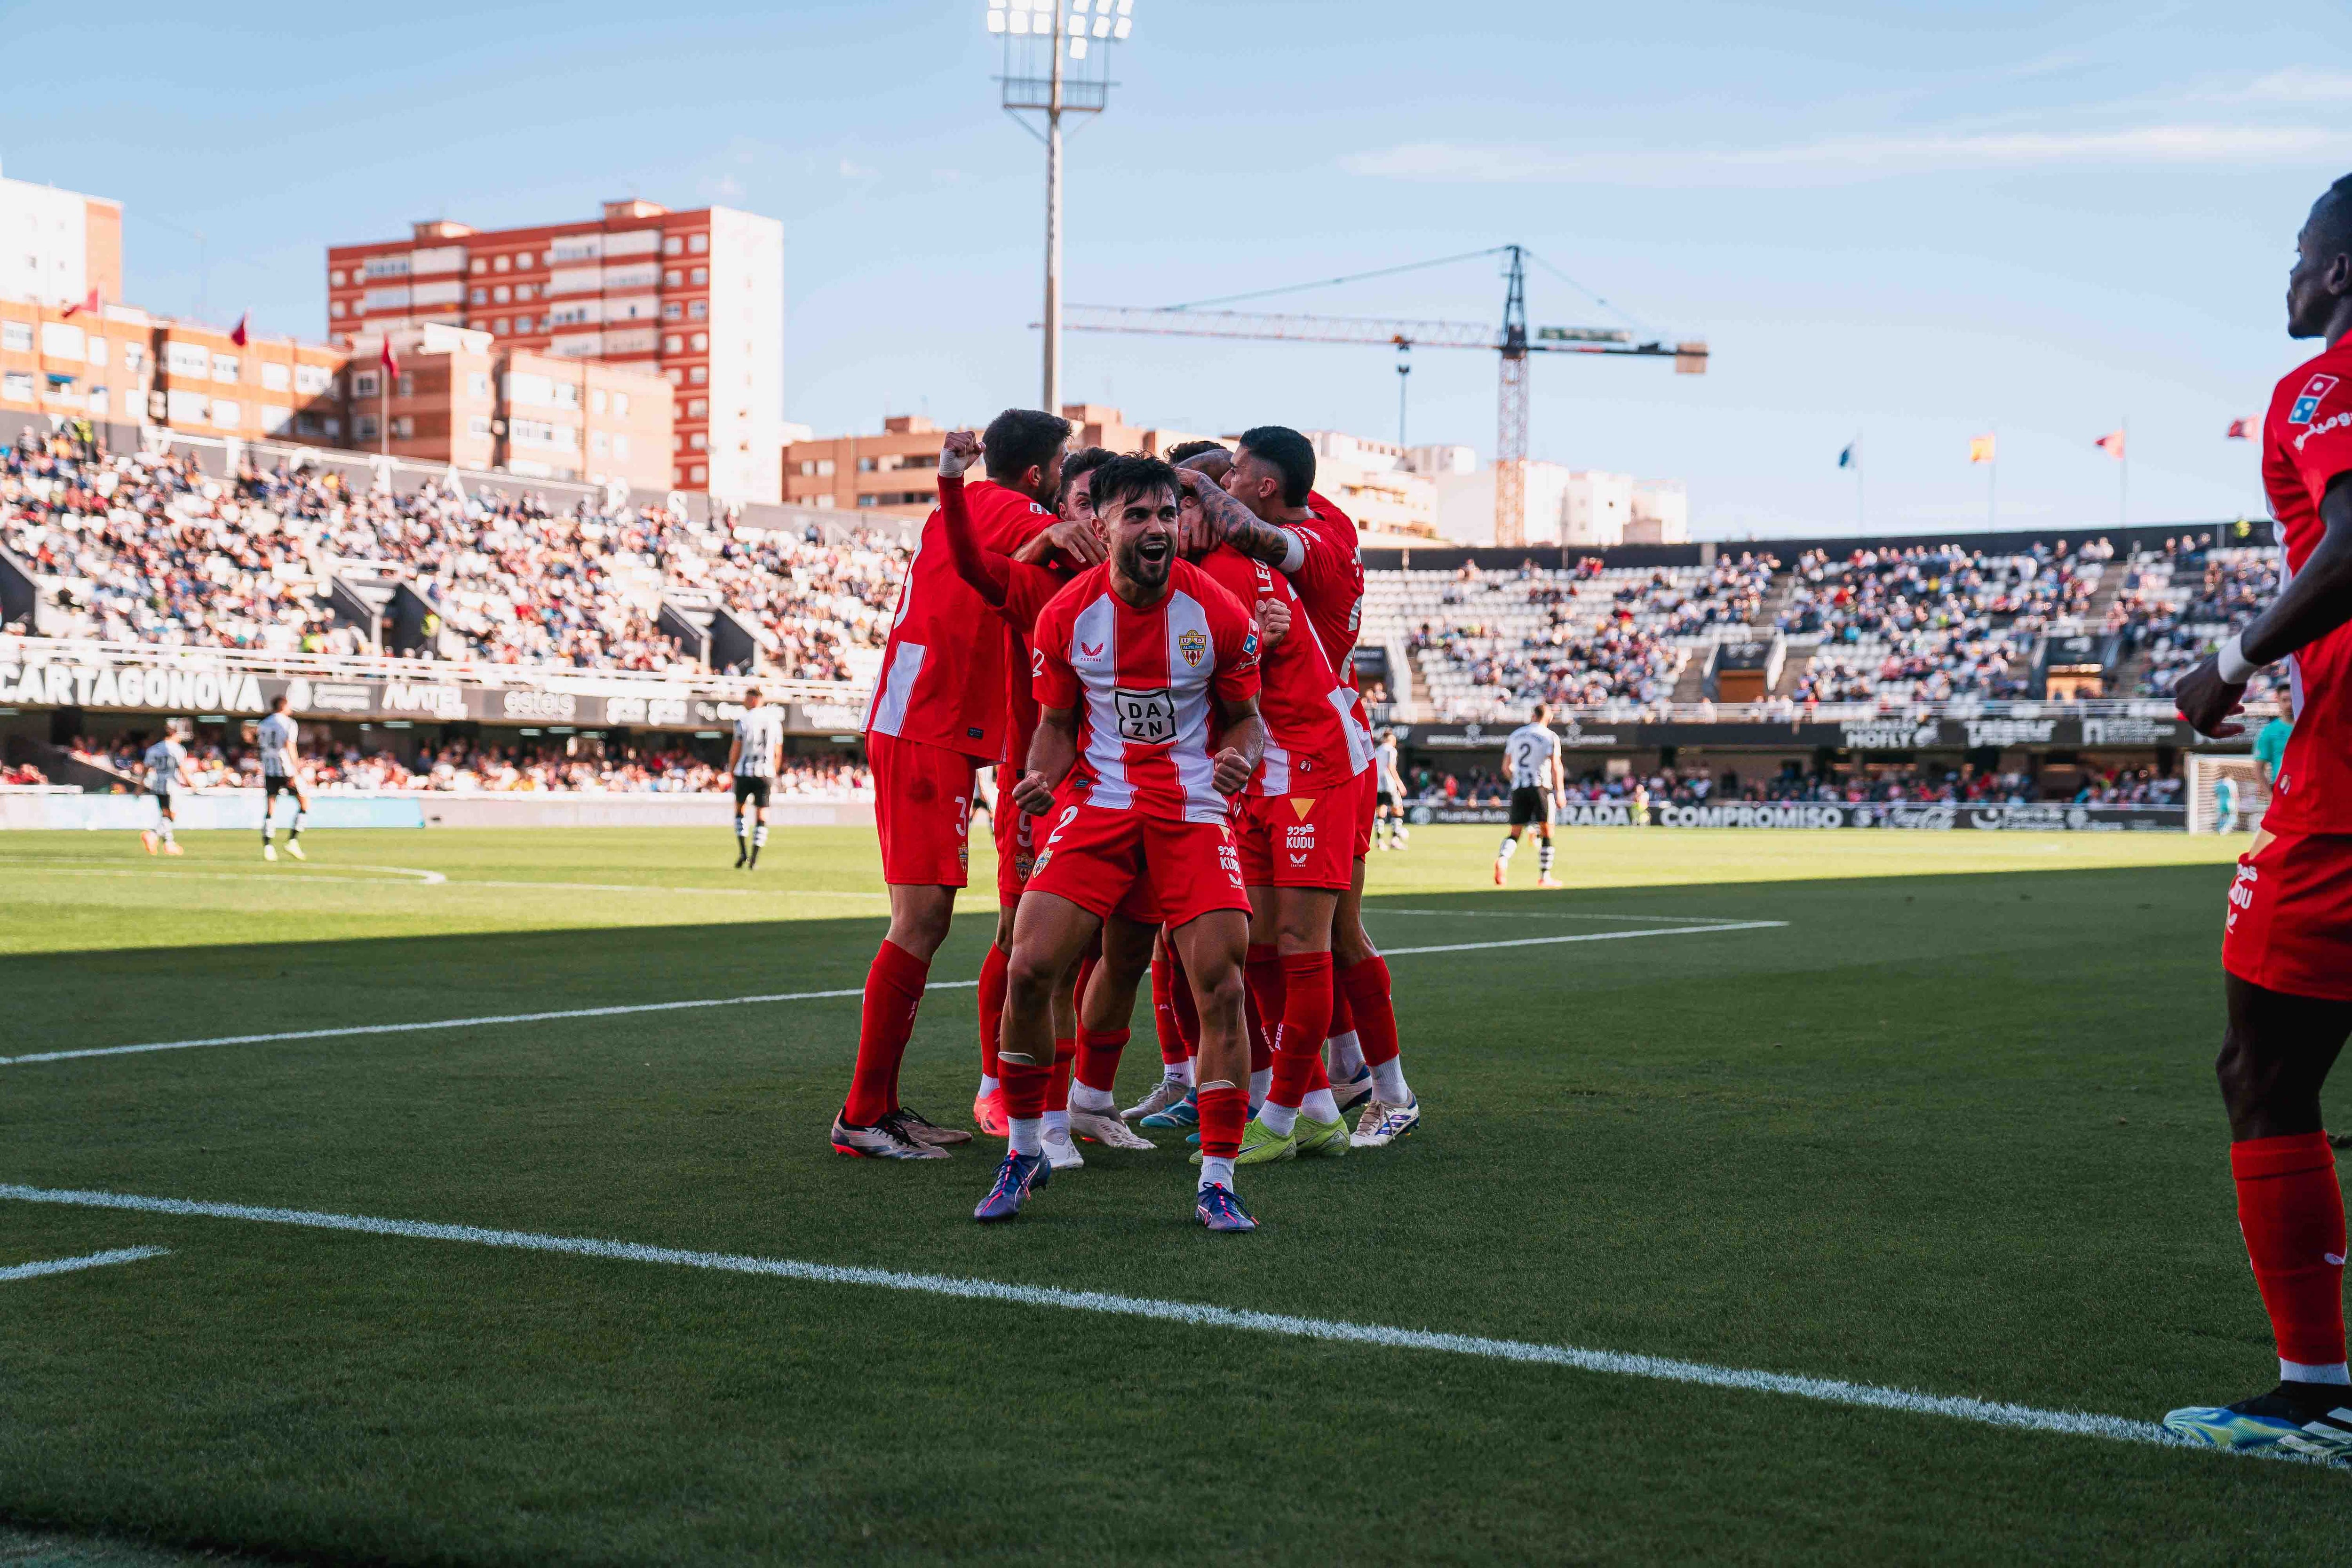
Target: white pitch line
point(68, 1265)
point(746, 1001)
point(1828, 1391)
point(457, 1023)
point(1545, 915)
point(1579, 936)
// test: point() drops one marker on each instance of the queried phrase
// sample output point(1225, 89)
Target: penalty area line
point(68, 1264)
point(1621, 1363)
point(490, 1020)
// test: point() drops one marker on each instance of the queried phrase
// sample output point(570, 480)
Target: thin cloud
point(2300, 84)
point(1840, 159)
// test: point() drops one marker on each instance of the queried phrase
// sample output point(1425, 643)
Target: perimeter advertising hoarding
point(194, 687)
point(1926, 817)
point(1889, 733)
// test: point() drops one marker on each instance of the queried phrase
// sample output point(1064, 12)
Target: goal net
point(2206, 770)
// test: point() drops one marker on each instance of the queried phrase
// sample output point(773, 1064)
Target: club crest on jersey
point(2308, 403)
point(1194, 646)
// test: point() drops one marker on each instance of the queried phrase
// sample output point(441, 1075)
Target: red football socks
point(1026, 1089)
point(1223, 1112)
point(894, 990)
point(1306, 1016)
point(1066, 1059)
point(2291, 1208)
point(1367, 986)
point(1098, 1054)
point(1163, 1009)
point(1343, 1017)
point(1262, 980)
point(991, 1007)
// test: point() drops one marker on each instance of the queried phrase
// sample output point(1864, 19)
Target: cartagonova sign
point(97, 686)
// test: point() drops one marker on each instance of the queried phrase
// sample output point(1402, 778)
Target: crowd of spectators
point(2185, 619)
point(149, 549)
point(464, 766)
point(21, 775)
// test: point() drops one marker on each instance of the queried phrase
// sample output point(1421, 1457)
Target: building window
point(672, 344)
point(479, 297)
point(405, 387)
point(677, 443)
point(187, 359)
point(699, 374)
point(674, 376)
point(480, 267)
point(500, 326)
point(364, 383)
point(670, 310)
point(698, 243)
point(698, 309)
point(404, 428)
point(98, 350)
point(698, 441)
point(700, 473)
point(478, 383)
point(596, 443)
point(275, 378)
point(226, 415)
point(522, 290)
point(363, 428)
point(16, 387)
point(697, 408)
point(16, 337)
point(224, 367)
point(336, 278)
point(478, 425)
point(621, 448)
point(673, 278)
point(501, 294)
point(866, 465)
point(870, 500)
point(313, 379)
point(567, 394)
point(701, 276)
point(336, 308)
point(670, 246)
point(701, 342)
point(385, 267)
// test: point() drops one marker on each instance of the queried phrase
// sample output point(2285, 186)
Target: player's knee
point(1220, 991)
point(2248, 1076)
point(1030, 976)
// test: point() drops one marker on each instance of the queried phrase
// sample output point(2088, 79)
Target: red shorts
point(1367, 807)
point(1017, 838)
point(1151, 870)
point(922, 811)
point(2290, 922)
point(1297, 840)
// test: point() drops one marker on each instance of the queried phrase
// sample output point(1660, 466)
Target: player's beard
point(1146, 573)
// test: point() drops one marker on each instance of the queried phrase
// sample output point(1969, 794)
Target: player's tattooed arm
point(1227, 520)
point(1052, 752)
point(2314, 604)
point(1241, 747)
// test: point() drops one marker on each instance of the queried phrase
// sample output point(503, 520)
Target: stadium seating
point(142, 549)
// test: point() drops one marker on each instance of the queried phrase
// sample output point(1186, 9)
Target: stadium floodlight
point(1044, 77)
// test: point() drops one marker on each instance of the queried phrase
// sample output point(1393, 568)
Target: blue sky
point(1912, 222)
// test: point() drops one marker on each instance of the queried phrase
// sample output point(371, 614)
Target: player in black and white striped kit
point(759, 743)
point(1532, 756)
point(281, 774)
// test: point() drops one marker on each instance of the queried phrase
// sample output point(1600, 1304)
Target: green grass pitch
point(1949, 1128)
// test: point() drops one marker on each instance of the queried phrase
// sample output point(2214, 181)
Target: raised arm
point(1228, 521)
point(2314, 604)
point(973, 565)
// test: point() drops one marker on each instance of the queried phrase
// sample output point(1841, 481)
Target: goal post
point(2209, 769)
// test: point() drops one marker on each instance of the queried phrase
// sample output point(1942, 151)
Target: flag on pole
point(2243, 429)
point(237, 334)
point(1846, 458)
point(2112, 444)
point(1980, 449)
point(390, 365)
point(87, 302)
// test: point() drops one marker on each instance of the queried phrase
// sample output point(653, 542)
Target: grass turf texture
point(1951, 1129)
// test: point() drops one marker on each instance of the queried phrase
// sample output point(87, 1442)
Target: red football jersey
point(1309, 744)
point(1142, 682)
point(1027, 591)
point(942, 679)
point(1330, 584)
point(2308, 441)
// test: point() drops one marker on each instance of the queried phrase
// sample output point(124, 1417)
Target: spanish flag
point(1980, 449)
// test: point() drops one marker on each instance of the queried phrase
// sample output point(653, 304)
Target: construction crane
point(1512, 340)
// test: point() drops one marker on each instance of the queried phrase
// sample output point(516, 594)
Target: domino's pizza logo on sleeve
point(2307, 402)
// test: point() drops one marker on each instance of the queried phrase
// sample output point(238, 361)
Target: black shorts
point(275, 784)
point(1383, 798)
point(1530, 806)
point(162, 799)
point(752, 788)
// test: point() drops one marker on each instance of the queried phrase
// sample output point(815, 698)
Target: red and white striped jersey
point(1142, 682)
point(1330, 584)
point(1310, 744)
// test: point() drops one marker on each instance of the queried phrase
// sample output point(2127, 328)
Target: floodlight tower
point(1056, 62)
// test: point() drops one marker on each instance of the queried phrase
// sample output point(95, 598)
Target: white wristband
point(2232, 661)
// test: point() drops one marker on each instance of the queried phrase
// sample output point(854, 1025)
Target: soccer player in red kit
point(2286, 946)
point(1139, 663)
point(1019, 589)
point(938, 712)
point(1303, 535)
point(1298, 830)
